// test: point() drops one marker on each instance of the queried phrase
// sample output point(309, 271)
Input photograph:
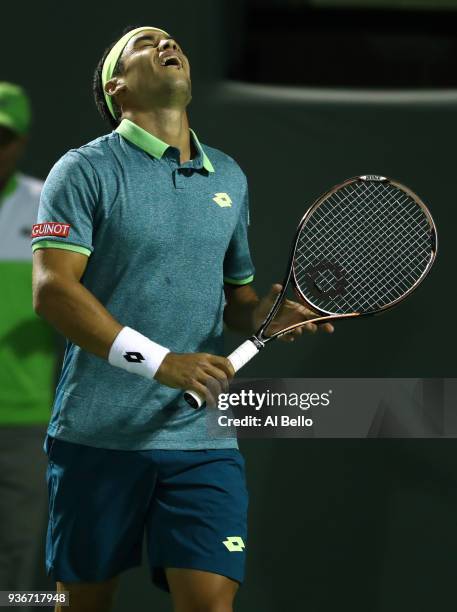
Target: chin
point(182, 87)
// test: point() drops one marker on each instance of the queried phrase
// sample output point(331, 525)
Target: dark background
point(365, 524)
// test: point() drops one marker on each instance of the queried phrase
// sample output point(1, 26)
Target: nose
point(167, 43)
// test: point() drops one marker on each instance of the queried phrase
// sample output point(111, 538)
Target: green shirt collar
point(9, 188)
point(206, 163)
point(153, 145)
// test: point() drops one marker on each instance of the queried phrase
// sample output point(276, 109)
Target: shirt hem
point(171, 444)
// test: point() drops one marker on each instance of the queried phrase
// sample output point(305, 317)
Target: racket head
point(362, 247)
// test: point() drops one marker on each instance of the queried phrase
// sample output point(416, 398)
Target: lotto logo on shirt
point(51, 229)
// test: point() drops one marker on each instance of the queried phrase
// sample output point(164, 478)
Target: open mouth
point(171, 60)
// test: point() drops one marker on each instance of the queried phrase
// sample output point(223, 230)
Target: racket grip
point(240, 356)
point(244, 353)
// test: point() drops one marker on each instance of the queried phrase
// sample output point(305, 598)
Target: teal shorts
point(191, 506)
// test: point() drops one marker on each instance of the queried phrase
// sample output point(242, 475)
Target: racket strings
point(377, 247)
point(387, 248)
point(363, 248)
point(381, 249)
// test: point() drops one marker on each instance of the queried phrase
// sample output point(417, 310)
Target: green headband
point(113, 57)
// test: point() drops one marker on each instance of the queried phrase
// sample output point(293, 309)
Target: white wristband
point(135, 353)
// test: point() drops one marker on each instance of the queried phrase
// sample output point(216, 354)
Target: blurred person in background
point(27, 360)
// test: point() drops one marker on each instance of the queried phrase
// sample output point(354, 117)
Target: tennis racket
point(361, 248)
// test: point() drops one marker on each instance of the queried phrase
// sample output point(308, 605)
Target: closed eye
point(148, 38)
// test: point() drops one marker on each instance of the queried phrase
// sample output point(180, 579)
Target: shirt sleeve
point(67, 206)
point(238, 267)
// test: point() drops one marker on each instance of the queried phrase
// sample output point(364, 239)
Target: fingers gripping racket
point(360, 249)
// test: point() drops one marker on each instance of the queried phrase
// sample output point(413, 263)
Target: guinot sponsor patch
point(51, 228)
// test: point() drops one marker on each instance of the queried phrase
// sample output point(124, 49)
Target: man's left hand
point(289, 313)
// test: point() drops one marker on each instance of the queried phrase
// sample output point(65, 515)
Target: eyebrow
point(149, 37)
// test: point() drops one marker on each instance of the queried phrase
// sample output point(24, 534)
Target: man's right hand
point(206, 374)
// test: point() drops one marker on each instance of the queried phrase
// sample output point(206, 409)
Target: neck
point(169, 125)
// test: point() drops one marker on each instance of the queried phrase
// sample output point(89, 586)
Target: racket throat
point(257, 342)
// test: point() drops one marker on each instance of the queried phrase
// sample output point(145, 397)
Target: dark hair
point(97, 85)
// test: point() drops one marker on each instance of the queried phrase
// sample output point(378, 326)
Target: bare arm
point(242, 301)
point(61, 299)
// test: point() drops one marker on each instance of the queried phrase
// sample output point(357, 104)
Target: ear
point(114, 86)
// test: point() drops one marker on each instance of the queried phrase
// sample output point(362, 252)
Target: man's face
point(11, 148)
point(155, 68)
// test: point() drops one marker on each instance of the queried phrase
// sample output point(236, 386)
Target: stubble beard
point(175, 93)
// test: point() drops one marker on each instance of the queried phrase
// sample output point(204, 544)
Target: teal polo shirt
point(161, 239)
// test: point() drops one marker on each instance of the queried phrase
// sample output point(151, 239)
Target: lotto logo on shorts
point(234, 544)
point(51, 229)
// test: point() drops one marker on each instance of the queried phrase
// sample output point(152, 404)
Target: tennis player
point(140, 255)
